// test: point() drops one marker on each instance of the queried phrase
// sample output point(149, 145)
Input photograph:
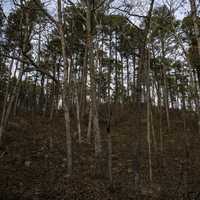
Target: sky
point(180, 12)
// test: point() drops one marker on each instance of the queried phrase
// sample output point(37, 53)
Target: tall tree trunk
point(134, 77)
point(109, 137)
point(147, 53)
point(116, 72)
point(197, 35)
point(166, 99)
point(89, 126)
point(128, 77)
point(84, 83)
point(65, 89)
point(92, 68)
point(137, 175)
point(166, 93)
point(41, 98)
point(78, 115)
point(52, 108)
point(46, 99)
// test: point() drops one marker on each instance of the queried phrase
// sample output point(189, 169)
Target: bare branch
point(30, 61)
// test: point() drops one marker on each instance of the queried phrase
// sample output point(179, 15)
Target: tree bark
point(148, 113)
point(92, 68)
point(65, 89)
point(197, 35)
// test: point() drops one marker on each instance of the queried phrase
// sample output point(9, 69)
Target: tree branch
point(74, 6)
point(46, 13)
point(30, 61)
point(128, 13)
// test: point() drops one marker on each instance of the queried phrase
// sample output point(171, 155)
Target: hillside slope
point(33, 160)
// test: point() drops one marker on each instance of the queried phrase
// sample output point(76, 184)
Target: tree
point(66, 88)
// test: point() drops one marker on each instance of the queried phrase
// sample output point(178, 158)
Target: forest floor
point(32, 167)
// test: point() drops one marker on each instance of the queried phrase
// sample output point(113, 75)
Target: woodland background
point(99, 99)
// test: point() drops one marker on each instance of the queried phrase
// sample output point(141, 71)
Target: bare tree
point(66, 88)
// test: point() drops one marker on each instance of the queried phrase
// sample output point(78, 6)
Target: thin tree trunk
point(137, 175)
point(197, 35)
point(109, 123)
point(52, 97)
point(148, 114)
point(97, 136)
point(84, 83)
point(41, 98)
point(128, 78)
point(153, 132)
point(65, 89)
point(166, 100)
point(89, 126)
point(109, 153)
point(78, 117)
point(46, 99)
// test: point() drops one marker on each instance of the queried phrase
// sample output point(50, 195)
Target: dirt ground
point(33, 163)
